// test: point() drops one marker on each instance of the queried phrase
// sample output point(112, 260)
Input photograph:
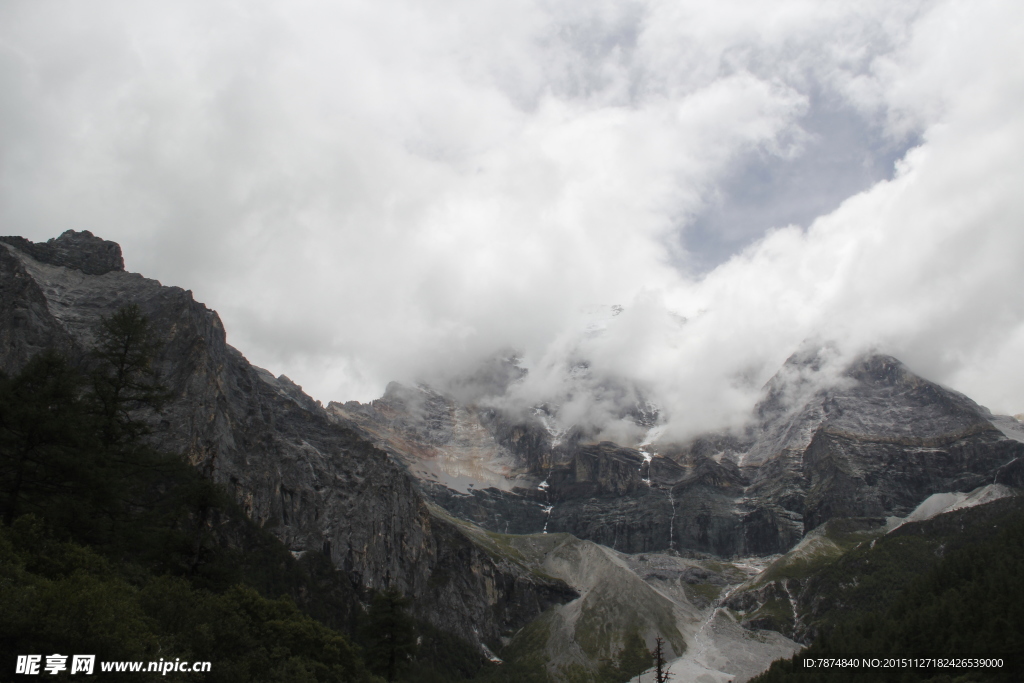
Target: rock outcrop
point(875, 442)
point(866, 440)
point(79, 250)
point(318, 486)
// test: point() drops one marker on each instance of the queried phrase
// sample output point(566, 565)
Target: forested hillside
point(950, 587)
point(110, 547)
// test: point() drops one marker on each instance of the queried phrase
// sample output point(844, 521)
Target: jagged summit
point(875, 397)
point(831, 438)
point(79, 250)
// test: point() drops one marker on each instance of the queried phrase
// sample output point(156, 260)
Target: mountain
point(836, 454)
point(546, 544)
point(315, 485)
point(869, 438)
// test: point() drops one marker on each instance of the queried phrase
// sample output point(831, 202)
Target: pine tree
point(634, 658)
point(661, 673)
point(43, 436)
point(125, 381)
point(72, 447)
point(389, 634)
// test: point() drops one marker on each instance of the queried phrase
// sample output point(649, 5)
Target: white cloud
point(369, 192)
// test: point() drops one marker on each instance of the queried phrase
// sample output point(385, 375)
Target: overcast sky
point(369, 191)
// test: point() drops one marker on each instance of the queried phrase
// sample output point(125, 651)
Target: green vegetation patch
point(63, 597)
point(824, 547)
point(708, 592)
point(774, 614)
point(943, 588)
point(526, 656)
point(600, 627)
point(509, 548)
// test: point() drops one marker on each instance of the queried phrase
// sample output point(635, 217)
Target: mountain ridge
point(316, 485)
point(417, 490)
point(874, 440)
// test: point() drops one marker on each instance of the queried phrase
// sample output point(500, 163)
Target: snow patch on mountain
point(940, 503)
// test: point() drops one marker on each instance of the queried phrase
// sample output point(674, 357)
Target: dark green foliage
point(443, 658)
point(634, 658)
point(124, 380)
point(63, 597)
point(43, 439)
point(172, 563)
point(971, 603)
point(389, 635)
point(870, 577)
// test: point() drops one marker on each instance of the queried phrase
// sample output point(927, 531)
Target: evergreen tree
point(124, 391)
point(389, 634)
point(125, 379)
point(44, 436)
point(71, 446)
point(661, 673)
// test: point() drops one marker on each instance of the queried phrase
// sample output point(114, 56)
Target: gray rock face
point(876, 443)
point(26, 325)
point(603, 469)
point(867, 440)
point(315, 484)
point(698, 505)
point(438, 439)
point(79, 250)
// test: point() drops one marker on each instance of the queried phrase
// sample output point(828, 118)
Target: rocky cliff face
point(875, 442)
point(869, 439)
point(78, 250)
point(437, 438)
point(315, 484)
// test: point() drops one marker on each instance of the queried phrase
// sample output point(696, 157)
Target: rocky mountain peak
point(313, 483)
point(79, 250)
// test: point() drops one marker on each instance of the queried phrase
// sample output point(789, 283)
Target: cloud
point(369, 192)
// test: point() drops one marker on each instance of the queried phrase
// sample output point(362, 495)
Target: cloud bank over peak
point(369, 192)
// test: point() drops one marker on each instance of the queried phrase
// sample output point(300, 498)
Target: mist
point(376, 192)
